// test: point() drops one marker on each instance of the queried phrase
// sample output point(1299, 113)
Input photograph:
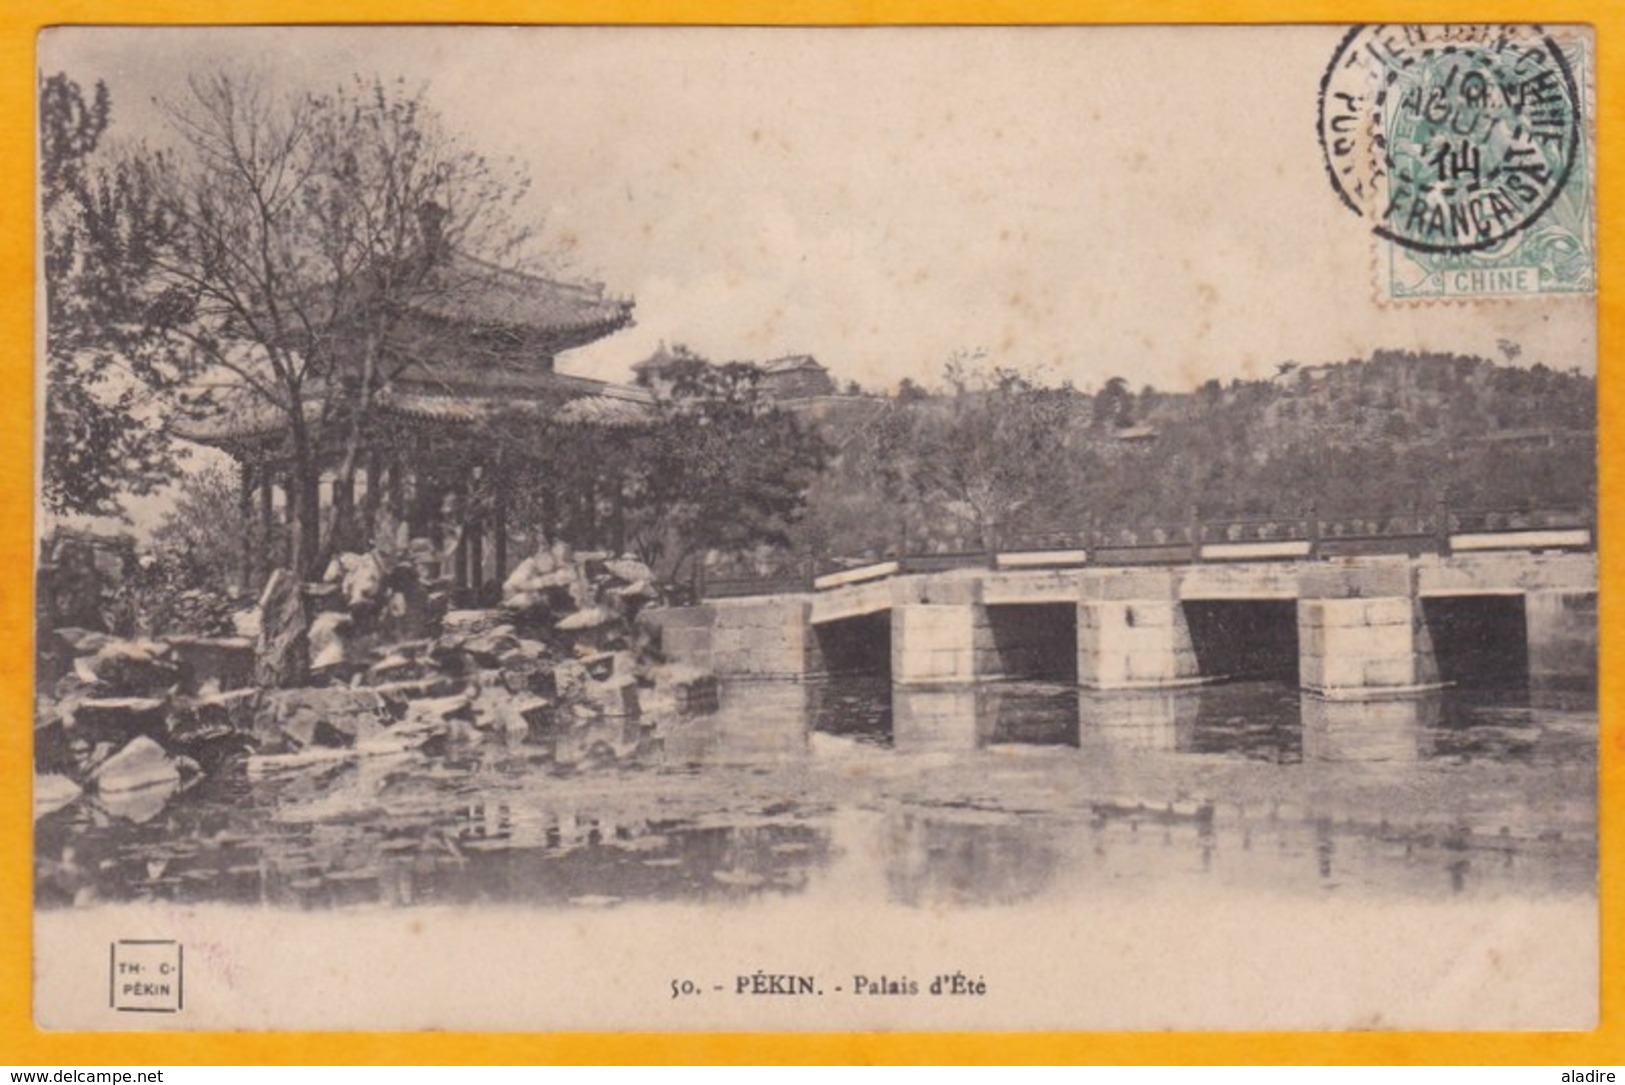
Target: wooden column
point(499, 532)
point(344, 533)
point(397, 487)
point(368, 461)
point(476, 556)
point(550, 510)
point(617, 519)
point(267, 513)
point(251, 576)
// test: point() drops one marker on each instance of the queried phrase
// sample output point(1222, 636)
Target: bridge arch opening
point(860, 645)
point(1244, 639)
point(1031, 641)
point(1478, 641)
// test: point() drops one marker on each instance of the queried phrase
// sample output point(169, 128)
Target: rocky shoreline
point(371, 660)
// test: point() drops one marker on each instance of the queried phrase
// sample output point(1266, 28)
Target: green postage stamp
point(1469, 151)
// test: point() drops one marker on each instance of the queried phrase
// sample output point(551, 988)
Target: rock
point(282, 654)
point(437, 715)
point(235, 710)
point(322, 596)
point(409, 609)
point(215, 728)
point(534, 678)
point(360, 578)
point(246, 623)
point(53, 792)
point(53, 660)
point(587, 618)
point(526, 574)
point(425, 558)
point(526, 653)
point(61, 649)
point(83, 642)
point(569, 680)
point(141, 763)
point(543, 597)
point(321, 717)
point(488, 649)
point(537, 712)
point(273, 763)
point(213, 664)
point(396, 695)
point(140, 805)
point(469, 623)
point(53, 746)
point(328, 647)
point(631, 598)
point(137, 668)
point(404, 664)
point(456, 707)
point(117, 719)
point(615, 697)
point(629, 569)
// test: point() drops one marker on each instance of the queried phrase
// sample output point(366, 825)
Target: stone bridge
point(1345, 628)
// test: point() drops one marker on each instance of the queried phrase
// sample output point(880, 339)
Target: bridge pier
point(939, 643)
point(1561, 627)
point(1364, 648)
point(768, 637)
point(1134, 644)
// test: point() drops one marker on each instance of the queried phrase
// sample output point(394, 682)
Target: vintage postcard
point(1070, 529)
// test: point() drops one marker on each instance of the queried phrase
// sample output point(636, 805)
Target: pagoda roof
point(790, 363)
point(546, 313)
point(241, 419)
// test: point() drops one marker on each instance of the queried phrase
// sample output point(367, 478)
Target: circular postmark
point(1448, 138)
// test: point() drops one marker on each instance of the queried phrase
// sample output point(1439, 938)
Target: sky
point(1079, 203)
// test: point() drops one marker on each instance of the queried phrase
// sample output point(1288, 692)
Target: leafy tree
point(716, 465)
point(311, 236)
point(721, 467)
point(908, 391)
point(982, 454)
point(108, 366)
point(187, 581)
point(1114, 405)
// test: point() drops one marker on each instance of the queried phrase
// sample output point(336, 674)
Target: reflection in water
point(970, 795)
point(1395, 730)
point(940, 718)
point(1140, 720)
point(966, 857)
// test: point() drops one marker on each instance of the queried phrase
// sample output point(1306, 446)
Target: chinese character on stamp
point(1468, 151)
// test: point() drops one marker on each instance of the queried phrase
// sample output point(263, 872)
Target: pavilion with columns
point(491, 352)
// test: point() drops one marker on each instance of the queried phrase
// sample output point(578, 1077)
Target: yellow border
point(21, 1043)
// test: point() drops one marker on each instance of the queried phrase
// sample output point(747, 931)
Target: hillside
point(1367, 437)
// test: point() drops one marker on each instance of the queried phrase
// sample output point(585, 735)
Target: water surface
point(978, 797)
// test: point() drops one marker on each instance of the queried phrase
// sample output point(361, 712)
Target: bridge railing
point(1501, 520)
point(755, 575)
point(1440, 531)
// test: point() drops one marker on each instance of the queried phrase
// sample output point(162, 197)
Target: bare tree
point(319, 242)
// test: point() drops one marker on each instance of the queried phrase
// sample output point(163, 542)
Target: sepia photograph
point(816, 529)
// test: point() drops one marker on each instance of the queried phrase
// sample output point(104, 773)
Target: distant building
point(796, 376)
point(1138, 433)
point(652, 371)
